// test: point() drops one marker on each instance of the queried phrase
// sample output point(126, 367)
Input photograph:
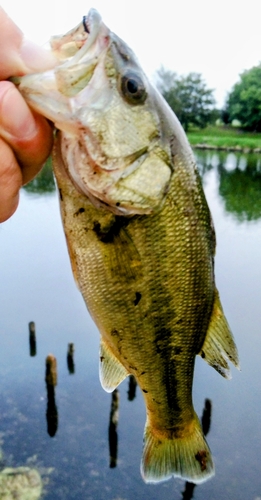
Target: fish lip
point(92, 20)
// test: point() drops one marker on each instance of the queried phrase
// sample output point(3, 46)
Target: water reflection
point(239, 181)
point(36, 283)
point(206, 417)
point(51, 411)
point(114, 419)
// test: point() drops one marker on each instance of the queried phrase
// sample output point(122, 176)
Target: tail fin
point(187, 457)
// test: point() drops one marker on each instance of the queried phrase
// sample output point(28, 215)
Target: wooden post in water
point(132, 388)
point(113, 435)
point(51, 382)
point(70, 360)
point(32, 338)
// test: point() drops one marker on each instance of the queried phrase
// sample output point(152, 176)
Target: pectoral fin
point(111, 371)
point(219, 345)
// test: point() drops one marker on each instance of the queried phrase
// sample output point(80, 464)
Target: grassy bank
point(223, 137)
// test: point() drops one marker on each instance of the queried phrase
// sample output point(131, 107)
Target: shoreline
point(235, 149)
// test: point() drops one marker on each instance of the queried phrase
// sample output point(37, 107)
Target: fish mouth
point(80, 37)
point(79, 51)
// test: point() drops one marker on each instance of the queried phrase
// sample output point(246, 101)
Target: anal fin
point(111, 371)
point(219, 345)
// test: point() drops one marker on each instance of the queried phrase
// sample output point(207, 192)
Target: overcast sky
point(217, 39)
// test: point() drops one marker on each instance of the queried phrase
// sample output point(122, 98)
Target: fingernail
point(36, 58)
point(16, 119)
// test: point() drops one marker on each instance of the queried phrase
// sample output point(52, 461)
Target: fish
point(139, 234)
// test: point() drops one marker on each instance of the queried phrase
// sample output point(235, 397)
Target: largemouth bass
point(139, 234)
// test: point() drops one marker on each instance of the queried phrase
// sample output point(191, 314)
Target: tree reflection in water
point(239, 181)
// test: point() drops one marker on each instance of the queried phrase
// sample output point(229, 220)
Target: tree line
point(194, 103)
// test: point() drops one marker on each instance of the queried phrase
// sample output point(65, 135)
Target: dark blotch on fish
point(162, 337)
point(115, 333)
point(201, 457)
point(107, 235)
point(80, 211)
point(177, 350)
point(137, 298)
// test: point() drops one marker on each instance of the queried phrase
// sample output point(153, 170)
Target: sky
point(218, 39)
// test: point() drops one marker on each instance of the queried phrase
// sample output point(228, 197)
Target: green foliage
point(44, 182)
point(225, 136)
point(188, 96)
point(244, 100)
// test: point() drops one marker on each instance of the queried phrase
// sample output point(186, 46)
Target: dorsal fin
point(219, 345)
point(111, 371)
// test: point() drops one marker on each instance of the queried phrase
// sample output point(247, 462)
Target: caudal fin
point(187, 457)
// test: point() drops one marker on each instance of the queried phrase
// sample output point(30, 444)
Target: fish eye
point(133, 88)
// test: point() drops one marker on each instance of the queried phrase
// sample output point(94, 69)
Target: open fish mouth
point(79, 51)
point(83, 35)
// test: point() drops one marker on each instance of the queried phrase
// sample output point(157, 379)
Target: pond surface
point(36, 284)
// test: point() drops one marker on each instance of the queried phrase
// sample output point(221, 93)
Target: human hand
point(25, 137)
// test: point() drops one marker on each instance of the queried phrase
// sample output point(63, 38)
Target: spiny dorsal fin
point(111, 371)
point(219, 345)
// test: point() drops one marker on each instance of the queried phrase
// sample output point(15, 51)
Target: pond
point(69, 439)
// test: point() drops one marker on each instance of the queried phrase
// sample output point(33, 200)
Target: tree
point(188, 96)
point(244, 101)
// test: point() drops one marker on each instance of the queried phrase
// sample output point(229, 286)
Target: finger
point(10, 181)
point(33, 153)
point(19, 56)
point(28, 134)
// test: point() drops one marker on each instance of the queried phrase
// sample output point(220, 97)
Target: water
point(36, 284)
